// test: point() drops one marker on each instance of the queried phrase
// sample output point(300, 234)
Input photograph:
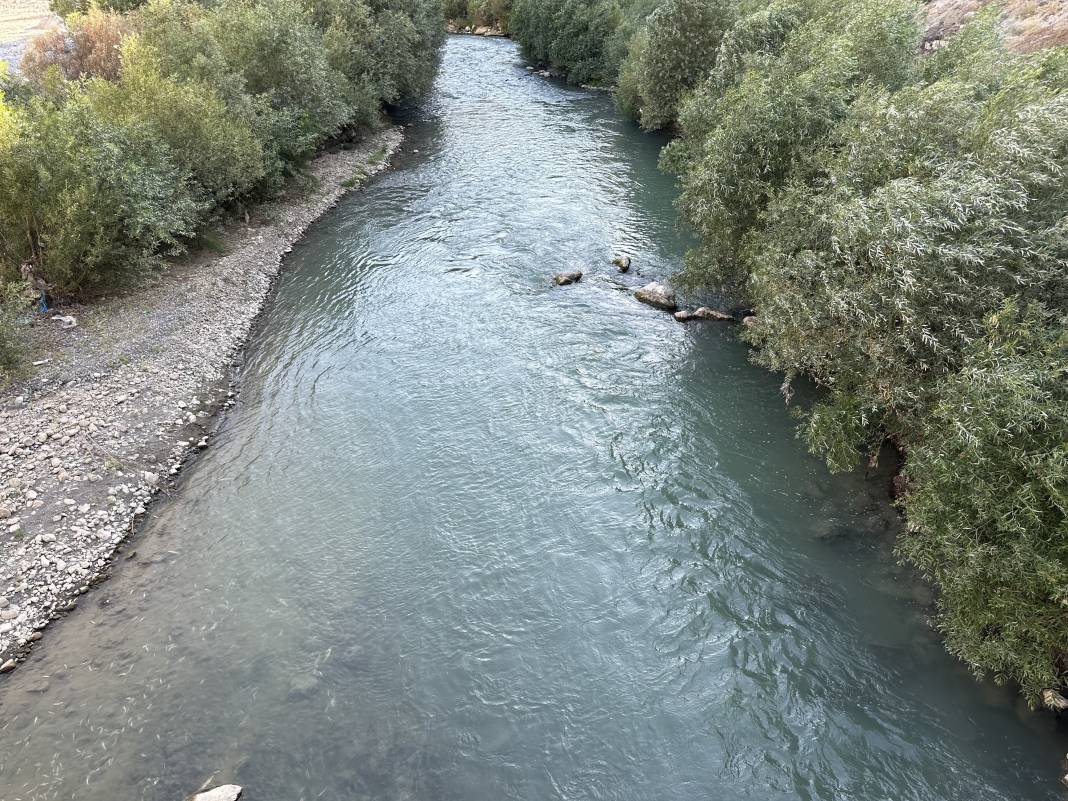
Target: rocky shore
point(121, 400)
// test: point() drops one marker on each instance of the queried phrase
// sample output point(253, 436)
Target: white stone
point(226, 792)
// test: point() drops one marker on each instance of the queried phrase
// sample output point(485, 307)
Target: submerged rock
point(302, 686)
point(701, 313)
point(563, 279)
point(224, 792)
point(658, 295)
point(622, 262)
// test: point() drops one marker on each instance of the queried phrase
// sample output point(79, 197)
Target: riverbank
point(117, 403)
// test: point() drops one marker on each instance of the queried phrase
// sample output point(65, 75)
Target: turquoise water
point(468, 536)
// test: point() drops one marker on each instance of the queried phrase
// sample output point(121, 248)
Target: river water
point(468, 537)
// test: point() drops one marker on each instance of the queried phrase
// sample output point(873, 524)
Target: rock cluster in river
point(127, 396)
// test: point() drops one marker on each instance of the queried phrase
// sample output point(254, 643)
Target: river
point(470, 537)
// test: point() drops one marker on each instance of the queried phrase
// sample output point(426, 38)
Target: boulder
point(482, 30)
point(224, 792)
point(563, 279)
point(702, 313)
point(750, 321)
point(622, 262)
point(658, 295)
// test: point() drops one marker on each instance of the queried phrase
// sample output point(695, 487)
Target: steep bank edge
point(102, 432)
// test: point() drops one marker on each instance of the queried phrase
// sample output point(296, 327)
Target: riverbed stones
point(701, 313)
point(224, 792)
point(563, 279)
point(657, 295)
point(8, 666)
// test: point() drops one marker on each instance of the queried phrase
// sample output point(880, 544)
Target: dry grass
point(1029, 24)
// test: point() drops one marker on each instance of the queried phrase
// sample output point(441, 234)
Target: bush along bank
point(140, 123)
point(900, 222)
point(483, 16)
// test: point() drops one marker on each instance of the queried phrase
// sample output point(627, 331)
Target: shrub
point(454, 9)
point(67, 7)
point(990, 500)
point(410, 34)
point(681, 40)
point(88, 204)
point(569, 35)
point(88, 48)
point(13, 302)
point(739, 146)
point(218, 150)
point(488, 12)
point(275, 48)
point(628, 86)
point(876, 277)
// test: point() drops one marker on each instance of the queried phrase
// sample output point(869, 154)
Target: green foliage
point(275, 47)
point(12, 303)
point(86, 203)
point(454, 9)
point(742, 143)
point(572, 36)
point(681, 39)
point(989, 509)
point(487, 12)
point(216, 149)
point(137, 128)
point(67, 7)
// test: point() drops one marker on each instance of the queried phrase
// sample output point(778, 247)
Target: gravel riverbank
point(117, 403)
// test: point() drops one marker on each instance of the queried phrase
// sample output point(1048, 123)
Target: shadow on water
point(467, 536)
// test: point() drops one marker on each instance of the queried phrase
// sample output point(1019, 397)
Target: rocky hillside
point(1030, 24)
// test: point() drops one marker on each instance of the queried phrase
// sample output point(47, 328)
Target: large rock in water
point(224, 792)
point(702, 313)
point(658, 295)
point(563, 279)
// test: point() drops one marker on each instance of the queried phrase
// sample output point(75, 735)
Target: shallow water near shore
point(470, 537)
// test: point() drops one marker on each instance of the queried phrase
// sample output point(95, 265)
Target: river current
point(470, 537)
